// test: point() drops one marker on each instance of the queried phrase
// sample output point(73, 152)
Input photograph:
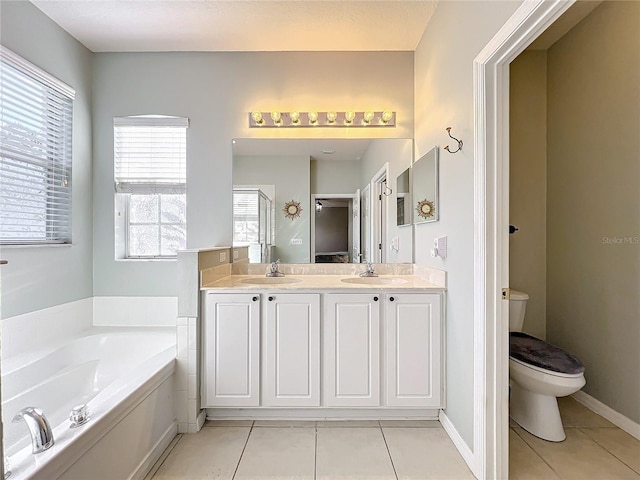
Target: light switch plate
point(441, 244)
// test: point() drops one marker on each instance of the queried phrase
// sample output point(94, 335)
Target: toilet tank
point(517, 307)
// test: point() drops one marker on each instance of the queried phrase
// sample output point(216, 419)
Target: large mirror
point(425, 188)
point(319, 200)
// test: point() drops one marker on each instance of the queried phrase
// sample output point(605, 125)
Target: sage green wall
point(528, 184)
point(45, 276)
point(456, 33)
point(216, 91)
point(593, 215)
point(290, 175)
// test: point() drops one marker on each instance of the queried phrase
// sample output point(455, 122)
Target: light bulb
point(276, 117)
point(313, 117)
point(349, 116)
point(257, 117)
point(368, 116)
point(295, 117)
point(387, 115)
point(331, 117)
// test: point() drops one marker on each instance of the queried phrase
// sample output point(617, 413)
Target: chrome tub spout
point(41, 433)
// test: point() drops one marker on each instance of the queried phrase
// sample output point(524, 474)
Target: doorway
point(335, 228)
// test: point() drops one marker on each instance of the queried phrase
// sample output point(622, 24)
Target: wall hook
point(459, 142)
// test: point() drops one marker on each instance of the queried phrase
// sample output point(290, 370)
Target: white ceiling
point(242, 25)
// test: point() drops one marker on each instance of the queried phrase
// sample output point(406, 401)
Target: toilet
point(538, 373)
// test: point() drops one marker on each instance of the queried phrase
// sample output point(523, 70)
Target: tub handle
point(79, 415)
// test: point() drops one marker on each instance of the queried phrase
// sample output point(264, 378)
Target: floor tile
point(352, 453)
point(284, 423)
point(282, 453)
point(348, 423)
point(574, 414)
point(212, 453)
point(163, 457)
point(228, 423)
point(618, 442)
point(578, 457)
point(425, 453)
point(411, 423)
point(525, 463)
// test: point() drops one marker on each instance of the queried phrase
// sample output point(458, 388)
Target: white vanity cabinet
point(291, 350)
point(413, 362)
point(351, 350)
point(231, 353)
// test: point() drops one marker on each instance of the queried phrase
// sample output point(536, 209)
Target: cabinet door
point(413, 350)
point(351, 351)
point(231, 350)
point(292, 350)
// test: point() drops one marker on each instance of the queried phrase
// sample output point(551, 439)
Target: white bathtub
point(124, 375)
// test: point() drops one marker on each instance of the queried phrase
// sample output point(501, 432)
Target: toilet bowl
point(539, 373)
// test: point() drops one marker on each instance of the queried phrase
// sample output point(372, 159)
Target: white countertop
point(321, 282)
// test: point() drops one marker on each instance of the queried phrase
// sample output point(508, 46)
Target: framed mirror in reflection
point(343, 188)
point(425, 188)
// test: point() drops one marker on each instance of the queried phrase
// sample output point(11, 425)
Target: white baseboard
point(156, 452)
point(460, 444)
point(619, 420)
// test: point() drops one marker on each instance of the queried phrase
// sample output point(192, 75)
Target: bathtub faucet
point(41, 433)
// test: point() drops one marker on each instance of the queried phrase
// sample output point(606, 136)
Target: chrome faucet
point(273, 271)
point(369, 271)
point(41, 433)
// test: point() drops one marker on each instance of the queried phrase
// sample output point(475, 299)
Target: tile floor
point(594, 449)
point(313, 450)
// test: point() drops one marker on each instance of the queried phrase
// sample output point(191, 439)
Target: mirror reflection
point(320, 200)
point(425, 188)
point(403, 199)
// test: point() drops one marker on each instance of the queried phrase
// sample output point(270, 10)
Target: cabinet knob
point(271, 299)
point(392, 299)
point(255, 299)
point(375, 299)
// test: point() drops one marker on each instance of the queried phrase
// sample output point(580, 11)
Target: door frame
point(378, 212)
point(491, 242)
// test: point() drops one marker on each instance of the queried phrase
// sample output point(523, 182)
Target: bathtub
point(124, 375)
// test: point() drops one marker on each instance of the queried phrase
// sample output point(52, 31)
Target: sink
point(374, 280)
point(270, 280)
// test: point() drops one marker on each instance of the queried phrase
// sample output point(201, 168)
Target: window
point(150, 181)
point(35, 154)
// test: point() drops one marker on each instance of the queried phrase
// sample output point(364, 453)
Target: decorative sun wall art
point(292, 209)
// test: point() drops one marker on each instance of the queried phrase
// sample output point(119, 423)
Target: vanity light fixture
point(277, 118)
point(349, 118)
point(367, 117)
point(257, 118)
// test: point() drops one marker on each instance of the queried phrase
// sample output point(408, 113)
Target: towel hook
point(459, 142)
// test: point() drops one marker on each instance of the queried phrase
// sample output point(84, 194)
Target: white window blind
point(150, 154)
point(150, 173)
point(36, 117)
point(246, 216)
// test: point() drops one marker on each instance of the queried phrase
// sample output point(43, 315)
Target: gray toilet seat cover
point(541, 354)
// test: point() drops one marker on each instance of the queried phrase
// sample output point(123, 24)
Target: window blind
point(35, 154)
point(150, 154)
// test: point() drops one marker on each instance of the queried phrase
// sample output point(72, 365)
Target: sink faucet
point(273, 271)
point(369, 271)
point(41, 433)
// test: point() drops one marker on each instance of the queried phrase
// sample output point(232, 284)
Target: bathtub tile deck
point(237, 450)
